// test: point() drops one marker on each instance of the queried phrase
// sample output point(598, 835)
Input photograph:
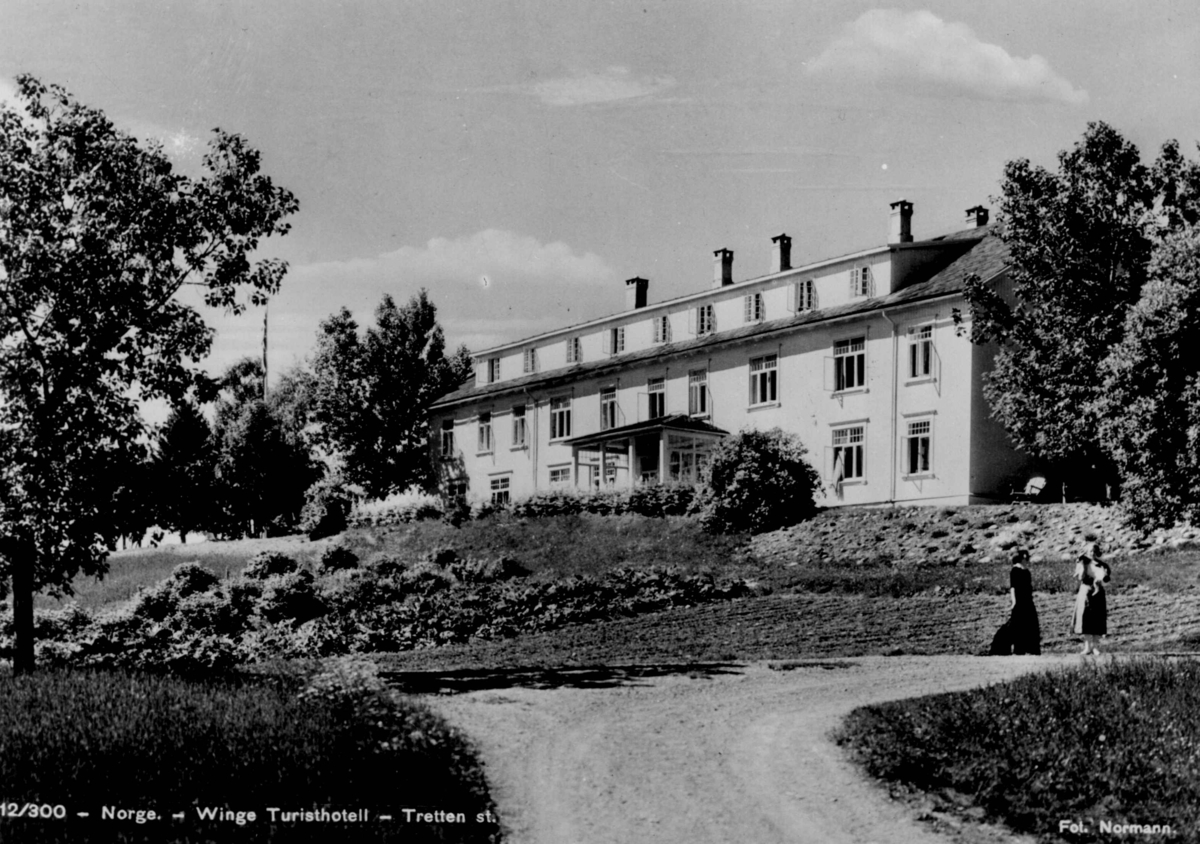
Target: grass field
point(1115, 745)
point(83, 741)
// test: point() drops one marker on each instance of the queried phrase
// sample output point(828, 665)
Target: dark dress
point(1091, 611)
point(1023, 627)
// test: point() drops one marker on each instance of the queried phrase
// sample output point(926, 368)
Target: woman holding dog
point(1091, 605)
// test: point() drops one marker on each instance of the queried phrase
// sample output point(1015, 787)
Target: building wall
point(884, 407)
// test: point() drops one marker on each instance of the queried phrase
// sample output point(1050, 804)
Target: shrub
point(336, 558)
point(327, 505)
point(161, 600)
point(555, 502)
point(269, 564)
point(408, 506)
point(661, 500)
point(757, 481)
point(290, 597)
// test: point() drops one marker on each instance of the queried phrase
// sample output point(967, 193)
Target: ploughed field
point(782, 627)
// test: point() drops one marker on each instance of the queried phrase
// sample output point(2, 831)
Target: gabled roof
point(983, 253)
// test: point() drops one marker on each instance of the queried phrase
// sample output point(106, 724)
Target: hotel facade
point(858, 355)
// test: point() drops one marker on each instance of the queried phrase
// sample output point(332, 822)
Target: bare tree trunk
point(22, 583)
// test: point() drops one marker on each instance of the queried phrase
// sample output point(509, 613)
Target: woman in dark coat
point(1024, 631)
point(1090, 619)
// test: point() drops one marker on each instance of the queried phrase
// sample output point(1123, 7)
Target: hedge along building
point(858, 355)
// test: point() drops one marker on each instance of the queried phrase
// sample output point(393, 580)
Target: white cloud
point(611, 85)
point(895, 47)
point(530, 287)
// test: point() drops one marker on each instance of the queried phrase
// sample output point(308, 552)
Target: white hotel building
point(858, 355)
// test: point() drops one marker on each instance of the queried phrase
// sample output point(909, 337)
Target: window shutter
point(937, 369)
point(712, 319)
point(793, 302)
point(606, 340)
point(830, 382)
point(658, 329)
point(693, 320)
point(811, 304)
point(748, 307)
point(854, 282)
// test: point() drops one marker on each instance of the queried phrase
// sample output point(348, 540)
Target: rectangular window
point(920, 352)
point(616, 343)
point(560, 476)
point(763, 380)
point(662, 329)
point(850, 364)
point(447, 438)
point(657, 388)
point(918, 450)
point(848, 453)
point(573, 350)
point(530, 360)
point(518, 427)
point(500, 490)
point(753, 307)
point(560, 418)
point(706, 320)
point(806, 295)
point(698, 392)
point(862, 283)
point(493, 370)
point(608, 408)
point(485, 432)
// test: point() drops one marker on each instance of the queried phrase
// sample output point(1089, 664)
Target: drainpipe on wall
point(533, 434)
point(895, 386)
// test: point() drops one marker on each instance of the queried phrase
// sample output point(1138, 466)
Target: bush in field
point(655, 501)
point(757, 481)
point(327, 506)
point(160, 600)
point(269, 564)
point(290, 597)
point(336, 558)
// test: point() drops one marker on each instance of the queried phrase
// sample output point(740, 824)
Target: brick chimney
point(722, 267)
point(977, 217)
point(635, 293)
point(781, 253)
point(900, 222)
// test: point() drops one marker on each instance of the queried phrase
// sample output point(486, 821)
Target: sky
point(521, 159)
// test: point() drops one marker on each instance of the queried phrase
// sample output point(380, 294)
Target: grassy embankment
point(83, 741)
point(1109, 748)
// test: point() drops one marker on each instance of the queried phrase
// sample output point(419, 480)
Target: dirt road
point(736, 753)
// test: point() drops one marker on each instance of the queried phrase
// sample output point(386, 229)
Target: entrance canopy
point(669, 448)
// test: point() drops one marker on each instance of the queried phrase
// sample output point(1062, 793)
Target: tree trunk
point(22, 583)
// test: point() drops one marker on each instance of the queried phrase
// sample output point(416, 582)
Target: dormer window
point(493, 370)
point(804, 295)
point(574, 354)
point(753, 307)
point(862, 282)
point(615, 340)
point(704, 320)
point(662, 329)
point(530, 361)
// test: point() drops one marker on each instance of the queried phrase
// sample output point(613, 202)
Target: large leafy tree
point(98, 236)
point(264, 464)
point(1079, 240)
point(1150, 405)
point(371, 393)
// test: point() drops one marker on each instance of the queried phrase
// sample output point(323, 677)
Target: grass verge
point(87, 740)
point(1110, 748)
